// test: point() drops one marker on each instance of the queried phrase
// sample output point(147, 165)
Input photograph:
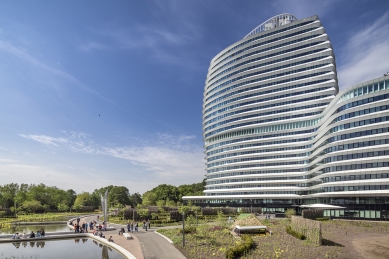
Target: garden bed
point(339, 239)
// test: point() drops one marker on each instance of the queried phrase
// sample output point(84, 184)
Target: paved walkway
point(152, 245)
point(133, 245)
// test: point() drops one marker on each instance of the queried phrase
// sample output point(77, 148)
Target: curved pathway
point(133, 245)
point(153, 245)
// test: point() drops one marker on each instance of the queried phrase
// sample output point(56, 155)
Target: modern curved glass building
point(278, 134)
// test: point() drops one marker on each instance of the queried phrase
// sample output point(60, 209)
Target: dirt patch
point(373, 247)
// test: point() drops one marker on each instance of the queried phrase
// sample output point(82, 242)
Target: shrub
point(290, 212)
point(291, 232)
point(158, 221)
point(189, 230)
point(241, 248)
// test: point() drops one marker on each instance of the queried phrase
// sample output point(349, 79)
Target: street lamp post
point(183, 228)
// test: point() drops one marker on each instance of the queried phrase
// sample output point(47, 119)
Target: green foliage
point(143, 213)
point(290, 212)
point(241, 248)
point(220, 216)
point(83, 199)
point(149, 198)
point(32, 206)
point(291, 232)
point(135, 199)
point(189, 229)
point(161, 203)
point(190, 220)
point(184, 209)
point(171, 195)
point(119, 196)
point(62, 207)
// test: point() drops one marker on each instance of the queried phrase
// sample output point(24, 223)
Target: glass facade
point(278, 134)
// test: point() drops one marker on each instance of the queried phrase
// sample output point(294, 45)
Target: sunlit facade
point(278, 134)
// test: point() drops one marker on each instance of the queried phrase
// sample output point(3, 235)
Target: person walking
point(128, 227)
point(132, 226)
point(91, 225)
point(136, 227)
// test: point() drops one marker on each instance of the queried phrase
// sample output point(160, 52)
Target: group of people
point(132, 227)
point(267, 215)
point(39, 233)
point(83, 228)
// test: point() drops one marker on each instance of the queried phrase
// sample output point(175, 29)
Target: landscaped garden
point(214, 240)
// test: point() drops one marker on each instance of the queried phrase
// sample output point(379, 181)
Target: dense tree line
point(169, 195)
point(40, 198)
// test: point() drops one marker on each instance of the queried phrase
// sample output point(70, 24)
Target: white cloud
point(168, 159)
point(46, 140)
point(364, 56)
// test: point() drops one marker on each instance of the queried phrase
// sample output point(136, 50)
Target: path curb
point(168, 239)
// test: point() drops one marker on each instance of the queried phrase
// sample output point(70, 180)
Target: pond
point(28, 228)
point(84, 248)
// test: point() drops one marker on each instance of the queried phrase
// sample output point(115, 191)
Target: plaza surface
point(144, 245)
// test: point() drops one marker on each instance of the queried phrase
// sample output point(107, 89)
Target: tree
point(8, 193)
point(165, 192)
point(21, 195)
point(149, 198)
point(62, 207)
point(71, 197)
point(195, 189)
point(32, 205)
point(82, 199)
point(135, 199)
point(119, 195)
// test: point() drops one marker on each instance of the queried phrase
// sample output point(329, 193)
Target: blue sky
point(95, 93)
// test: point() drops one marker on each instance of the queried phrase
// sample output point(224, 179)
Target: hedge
point(291, 232)
point(240, 249)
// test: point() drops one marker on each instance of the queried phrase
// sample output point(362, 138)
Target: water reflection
point(104, 253)
point(28, 228)
point(61, 249)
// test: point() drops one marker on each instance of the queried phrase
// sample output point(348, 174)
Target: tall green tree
point(8, 193)
point(119, 195)
point(135, 199)
point(149, 198)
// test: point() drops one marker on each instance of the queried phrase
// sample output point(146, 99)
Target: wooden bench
point(127, 236)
